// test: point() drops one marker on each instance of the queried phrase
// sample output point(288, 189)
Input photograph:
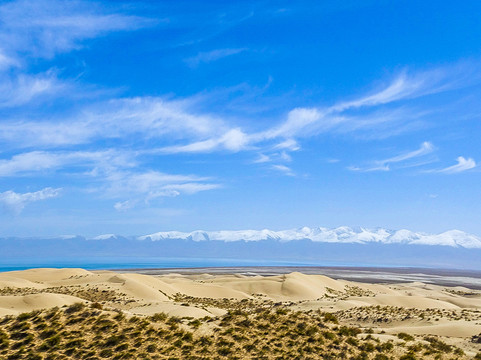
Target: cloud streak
point(384, 165)
point(45, 28)
point(462, 165)
point(283, 169)
point(15, 202)
point(214, 55)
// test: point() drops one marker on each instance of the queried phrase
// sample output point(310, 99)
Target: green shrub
point(159, 317)
point(151, 348)
point(328, 317)
point(404, 336)
point(105, 353)
point(224, 351)
point(96, 305)
point(75, 308)
point(408, 356)
point(348, 331)
point(53, 341)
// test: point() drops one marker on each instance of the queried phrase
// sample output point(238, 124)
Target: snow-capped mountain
point(342, 246)
point(344, 234)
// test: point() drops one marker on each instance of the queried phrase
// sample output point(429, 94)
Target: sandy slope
point(412, 307)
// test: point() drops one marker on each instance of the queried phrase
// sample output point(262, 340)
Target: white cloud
point(233, 140)
point(297, 120)
point(124, 205)
point(15, 202)
point(44, 28)
point(462, 165)
point(146, 182)
point(6, 62)
point(288, 144)
point(38, 161)
point(147, 186)
point(22, 89)
point(115, 175)
point(209, 56)
point(357, 114)
point(383, 165)
point(284, 169)
point(401, 87)
point(426, 148)
point(369, 169)
point(146, 118)
point(262, 159)
point(285, 156)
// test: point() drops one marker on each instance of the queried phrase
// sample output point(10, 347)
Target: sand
point(415, 308)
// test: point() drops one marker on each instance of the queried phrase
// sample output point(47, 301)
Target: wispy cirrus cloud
point(144, 117)
point(381, 107)
point(164, 126)
point(462, 165)
point(22, 89)
point(15, 202)
point(213, 55)
point(6, 62)
point(46, 27)
point(286, 170)
point(144, 187)
point(384, 164)
point(233, 140)
point(34, 162)
point(192, 131)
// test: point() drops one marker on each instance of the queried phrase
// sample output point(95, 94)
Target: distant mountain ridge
point(344, 234)
point(342, 246)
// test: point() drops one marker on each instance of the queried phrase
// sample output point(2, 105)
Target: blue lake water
point(104, 263)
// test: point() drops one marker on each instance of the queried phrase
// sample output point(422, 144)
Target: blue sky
point(136, 117)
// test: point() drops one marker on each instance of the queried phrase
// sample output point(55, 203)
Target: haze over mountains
point(344, 234)
point(341, 246)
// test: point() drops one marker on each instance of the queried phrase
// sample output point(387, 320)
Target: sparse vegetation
point(261, 330)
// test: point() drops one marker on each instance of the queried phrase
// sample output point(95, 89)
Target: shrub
point(195, 323)
point(204, 340)
point(328, 335)
point(96, 305)
point(105, 353)
point(151, 348)
point(122, 347)
point(348, 331)
point(367, 347)
point(159, 317)
point(408, 356)
point(26, 316)
point(404, 336)
point(352, 341)
point(224, 351)
point(75, 308)
point(53, 341)
point(387, 346)
point(328, 317)
point(438, 344)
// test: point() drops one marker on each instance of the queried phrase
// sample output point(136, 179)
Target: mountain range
point(343, 234)
point(342, 246)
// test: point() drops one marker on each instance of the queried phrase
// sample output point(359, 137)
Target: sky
point(133, 117)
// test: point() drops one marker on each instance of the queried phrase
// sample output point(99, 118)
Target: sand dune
point(13, 305)
point(294, 287)
point(414, 308)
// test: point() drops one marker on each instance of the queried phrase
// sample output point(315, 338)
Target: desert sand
point(451, 314)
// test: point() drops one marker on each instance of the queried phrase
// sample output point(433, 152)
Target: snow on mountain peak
point(343, 234)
